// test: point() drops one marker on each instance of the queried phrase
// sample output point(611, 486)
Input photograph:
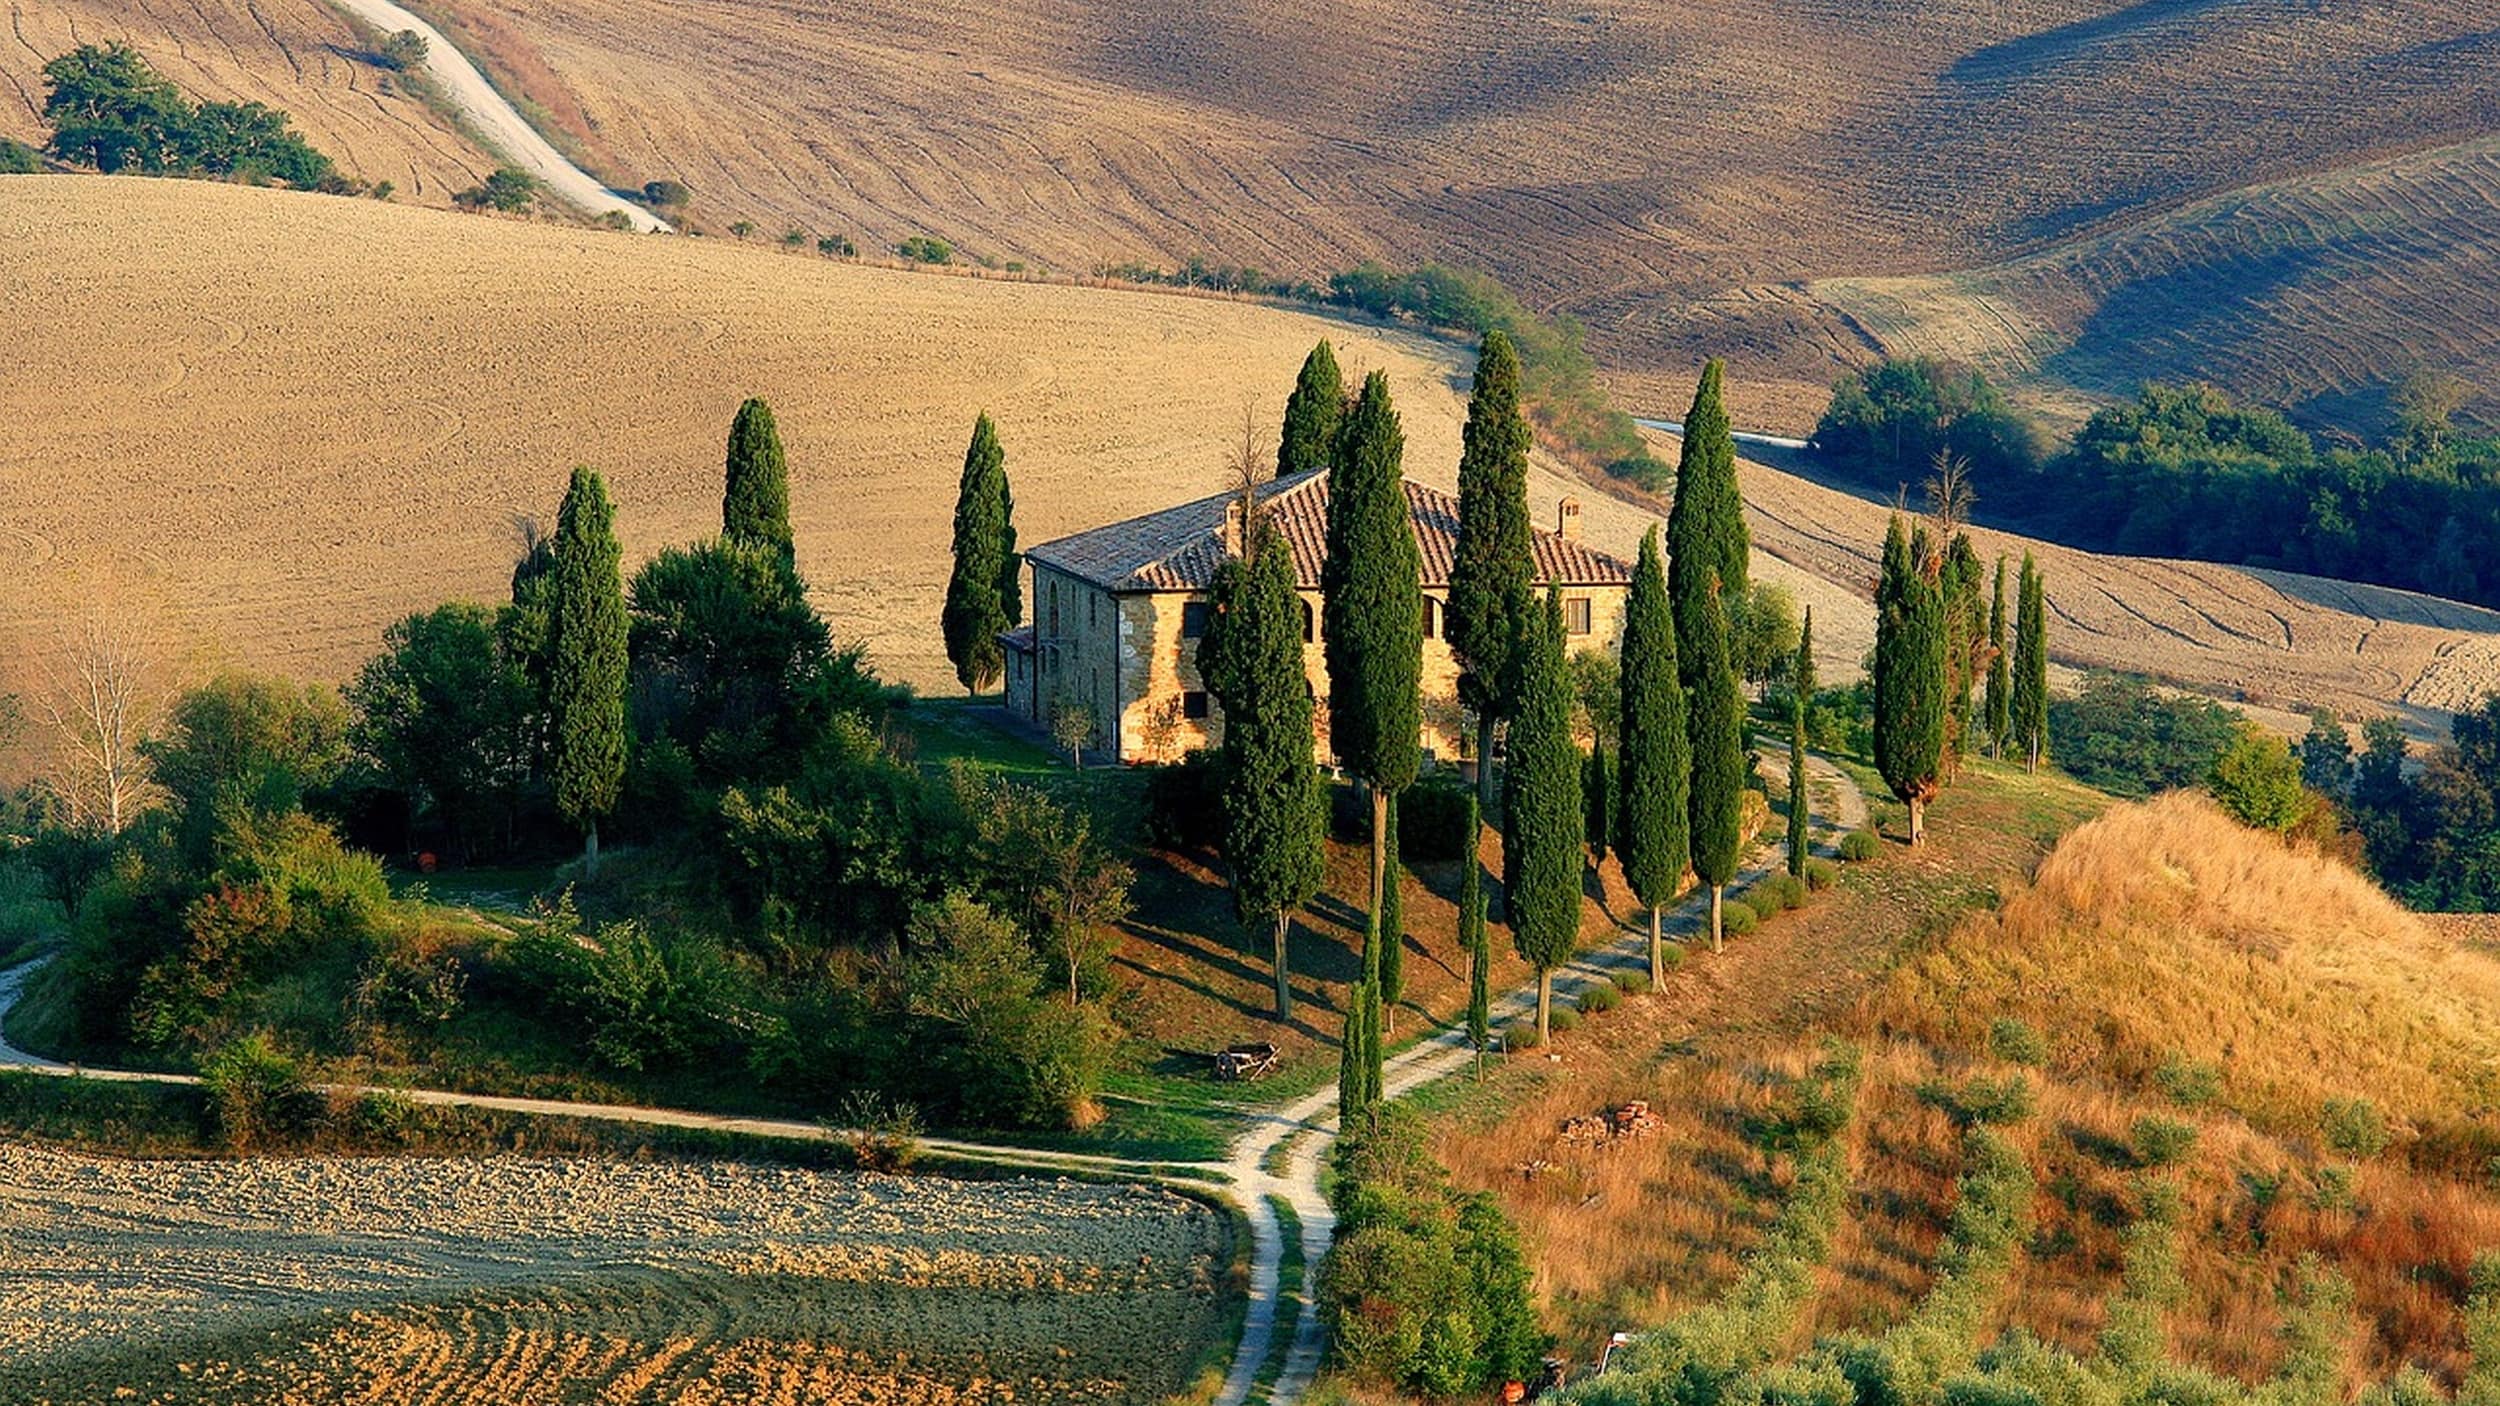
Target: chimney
point(1567, 521)
point(1233, 518)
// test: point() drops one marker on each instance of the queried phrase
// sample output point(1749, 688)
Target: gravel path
point(496, 121)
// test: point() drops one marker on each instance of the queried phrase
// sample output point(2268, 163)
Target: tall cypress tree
point(1653, 830)
point(1541, 793)
point(1372, 606)
point(1492, 568)
point(1801, 693)
point(1597, 795)
point(586, 671)
point(1471, 937)
point(2031, 668)
point(1718, 704)
point(1251, 659)
point(2000, 711)
point(983, 595)
point(755, 502)
point(1910, 703)
point(1966, 645)
point(1354, 1059)
point(1706, 534)
point(1393, 926)
point(1311, 415)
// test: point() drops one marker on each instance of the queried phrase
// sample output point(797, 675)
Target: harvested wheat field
point(525, 1281)
point(2280, 643)
point(301, 56)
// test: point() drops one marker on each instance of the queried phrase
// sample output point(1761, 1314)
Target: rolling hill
point(1674, 177)
point(316, 414)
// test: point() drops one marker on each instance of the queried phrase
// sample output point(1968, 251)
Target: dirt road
point(497, 122)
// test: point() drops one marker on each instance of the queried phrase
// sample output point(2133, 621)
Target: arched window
point(1310, 626)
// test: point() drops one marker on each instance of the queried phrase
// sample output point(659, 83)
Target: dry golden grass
point(302, 56)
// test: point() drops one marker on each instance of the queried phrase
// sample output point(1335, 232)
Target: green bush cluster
point(1980, 1101)
point(2354, 1127)
point(1599, 998)
point(109, 110)
point(2188, 1083)
point(1424, 1288)
point(256, 1093)
point(926, 249)
point(18, 159)
point(1739, 917)
point(1563, 1020)
point(1632, 981)
point(1858, 846)
point(2163, 1142)
point(2017, 1042)
point(1777, 894)
point(1821, 874)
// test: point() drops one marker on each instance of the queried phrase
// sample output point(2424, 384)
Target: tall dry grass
point(2165, 931)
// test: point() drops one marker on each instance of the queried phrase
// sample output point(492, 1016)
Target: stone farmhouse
point(1118, 612)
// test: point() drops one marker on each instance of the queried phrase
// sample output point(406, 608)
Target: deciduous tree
point(1653, 829)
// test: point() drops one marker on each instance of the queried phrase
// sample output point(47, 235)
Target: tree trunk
point(590, 849)
point(1484, 764)
point(1657, 951)
point(1074, 999)
point(1284, 985)
point(1380, 851)
point(1918, 822)
point(1544, 1004)
point(1718, 918)
point(2031, 759)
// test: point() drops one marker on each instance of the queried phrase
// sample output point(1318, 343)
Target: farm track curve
point(1301, 1131)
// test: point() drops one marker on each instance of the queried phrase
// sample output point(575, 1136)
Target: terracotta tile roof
point(1178, 549)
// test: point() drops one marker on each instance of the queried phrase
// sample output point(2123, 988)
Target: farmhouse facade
point(1118, 612)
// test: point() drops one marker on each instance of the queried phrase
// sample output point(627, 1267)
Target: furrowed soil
point(527, 1281)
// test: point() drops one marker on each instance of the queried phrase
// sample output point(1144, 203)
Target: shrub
point(1599, 999)
point(18, 159)
point(1858, 846)
point(643, 1001)
point(741, 229)
point(882, 1135)
point(2331, 1189)
point(402, 51)
point(2187, 1082)
point(666, 194)
point(2257, 779)
point(1821, 874)
point(1739, 918)
point(1184, 804)
point(618, 221)
point(1564, 1020)
point(1432, 821)
point(837, 246)
point(1981, 1101)
point(2354, 1127)
point(2016, 1042)
point(509, 190)
point(255, 1092)
point(2163, 1142)
point(1632, 981)
point(926, 249)
point(793, 238)
point(378, 1118)
point(1777, 894)
point(1521, 1035)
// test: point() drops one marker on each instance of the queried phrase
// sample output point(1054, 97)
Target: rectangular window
point(1194, 706)
point(1576, 615)
point(1432, 618)
point(1054, 608)
point(1194, 616)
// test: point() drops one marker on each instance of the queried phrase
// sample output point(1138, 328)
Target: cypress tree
point(1372, 605)
point(1718, 705)
point(1706, 534)
point(1801, 689)
point(1471, 937)
point(1251, 659)
point(586, 672)
point(1653, 829)
point(755, 503)
point(984, 596)
point(1393, 925)
point(1353, 1062)
point(1492, 569)
point(1311, 415)
point(1966, 644)
point(2031, 668)
point(2000, 712)
point(1910, 704)
point(1541, 792)
point(1597, 795)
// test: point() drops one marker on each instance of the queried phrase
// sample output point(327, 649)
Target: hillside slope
point(299, 55)
point(1669, 174)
